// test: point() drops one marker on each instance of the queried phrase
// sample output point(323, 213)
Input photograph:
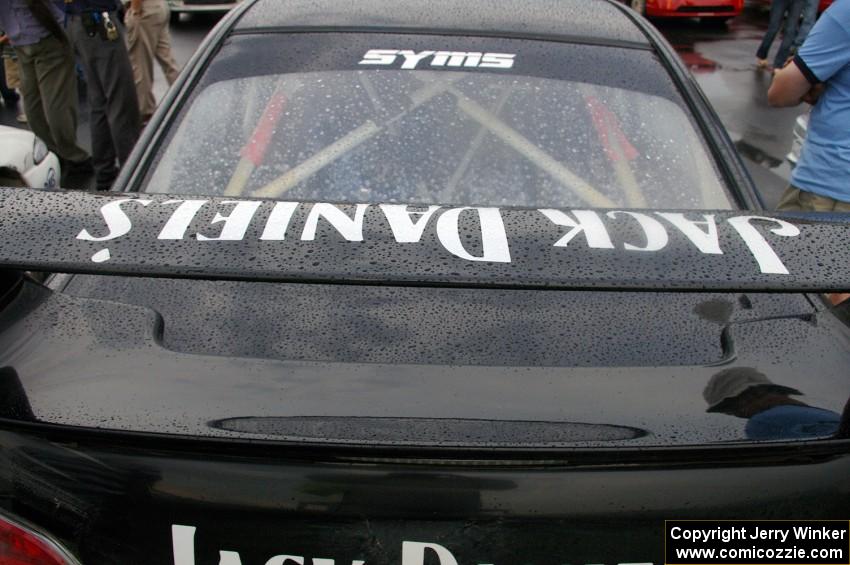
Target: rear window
point(383, 118)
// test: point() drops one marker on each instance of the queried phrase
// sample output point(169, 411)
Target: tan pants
point(796, 200)
point(13, 73)
point(148, 37)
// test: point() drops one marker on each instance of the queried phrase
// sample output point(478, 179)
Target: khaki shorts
point(796, 200)
point(13, 74)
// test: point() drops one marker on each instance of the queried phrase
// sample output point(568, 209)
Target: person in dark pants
point(99, 39)
point(810, 14)
point(790, 9)
point(48, 81)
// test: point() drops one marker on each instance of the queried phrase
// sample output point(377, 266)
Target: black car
point(418, 282)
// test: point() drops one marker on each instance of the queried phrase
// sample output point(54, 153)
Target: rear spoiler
point(216, 238)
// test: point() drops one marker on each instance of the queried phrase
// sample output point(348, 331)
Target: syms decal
point(631, 232)
point(412, 553)
point(408, 59)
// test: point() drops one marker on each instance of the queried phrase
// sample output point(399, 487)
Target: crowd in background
point(44, 41)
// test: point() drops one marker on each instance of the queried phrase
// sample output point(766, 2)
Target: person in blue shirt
point(99, 39)
point(820, 74)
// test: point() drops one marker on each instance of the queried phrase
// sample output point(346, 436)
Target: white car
point(199, 6)
point(801, 127)
point(26, 161)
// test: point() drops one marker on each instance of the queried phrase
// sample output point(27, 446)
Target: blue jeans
point(779, 8)
point(810, 14)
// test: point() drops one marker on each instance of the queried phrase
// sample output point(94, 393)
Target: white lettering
point(178, 223)
point(350, 229)
point(675, 532)
point(183, 544)
point(281, 559)
point(494, 241)
point(706, 241)
point(229, 558)
point(456, 59)
point(767, 259)
point(656, 235)
point(278, 221)
point(379, 57)
point(404, 229)
point(183, 547)
point(235, 224)
point(413, 553)
point(442, 57)
point(498, 60)
point(587, 222)
point(116, 220)
point(412, 58)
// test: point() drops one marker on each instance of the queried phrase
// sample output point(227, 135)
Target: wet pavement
point(721, 58)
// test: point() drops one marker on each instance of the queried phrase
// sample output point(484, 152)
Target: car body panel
point(151, 420)
point(135, 373)
point(149, 500)
point(597, 21)
point(463, 246)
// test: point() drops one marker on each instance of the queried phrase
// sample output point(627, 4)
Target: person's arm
point(789, 86)
point(136, 7)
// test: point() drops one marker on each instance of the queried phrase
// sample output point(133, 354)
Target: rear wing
point(185, 236)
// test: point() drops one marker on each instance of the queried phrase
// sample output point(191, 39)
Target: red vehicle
point(718, 10)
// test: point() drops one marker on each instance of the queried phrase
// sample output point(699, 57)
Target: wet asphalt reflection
point(721, 58)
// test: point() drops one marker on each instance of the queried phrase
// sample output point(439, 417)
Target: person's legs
point(103, 152)
point(13, 82)
point(789, 35)
point(810, 14)
point(796, 200)
point(58, 86)
point(32, 96)
point(122, 112)
point(777, 11)
point(163, 45)
point(114, 105)
point(6, 89)
point(141, 40)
